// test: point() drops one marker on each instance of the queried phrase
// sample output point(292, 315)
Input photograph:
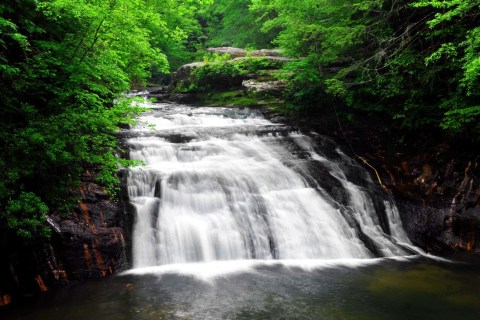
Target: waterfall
point(227, 184)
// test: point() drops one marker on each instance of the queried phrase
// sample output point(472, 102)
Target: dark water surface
point(413, 288)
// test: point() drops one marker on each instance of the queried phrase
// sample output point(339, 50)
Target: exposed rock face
point(436, 185)
point(438, 194)
point(184, 77)
point(258, 87)
point(271, 58)
point(233, 52)
point(440, 203)
point(237, 52)
point(91, 243)
point(184, 73)
point(267, 53)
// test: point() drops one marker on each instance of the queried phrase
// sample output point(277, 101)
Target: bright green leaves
point(321, 33)
point(454, 24)
point(446, 50)
point(326, 28)
point(9, 32)
point(232, 23)
point(417, 65)
point(458, 117)
point(471, 67)
point(448, 9)
point(63, 62)
point(26, 215)
point(183, 33)
point(230, 72)
point(110, 40)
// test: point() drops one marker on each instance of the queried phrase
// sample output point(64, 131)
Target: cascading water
point(238, 219)
point(227, 184)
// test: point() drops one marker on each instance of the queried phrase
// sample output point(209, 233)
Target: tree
point(64, 63)
point(413, 64)
point(232, 23)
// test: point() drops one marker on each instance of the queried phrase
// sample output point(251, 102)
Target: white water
point(220, 184)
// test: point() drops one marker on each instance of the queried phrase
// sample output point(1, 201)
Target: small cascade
point(227, 184)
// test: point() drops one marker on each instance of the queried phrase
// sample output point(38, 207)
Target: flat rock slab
point(272, 58)
point(270, 87)
point(234, 52)
point(238, 52)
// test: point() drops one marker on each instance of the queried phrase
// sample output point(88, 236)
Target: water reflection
point(387, 289)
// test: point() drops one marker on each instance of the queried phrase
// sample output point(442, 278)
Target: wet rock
point(182, 98)
point(92, 242)
point(160, 97)
point(93, 192)
point(435, 182)
point(278, 119)
point(156, 90)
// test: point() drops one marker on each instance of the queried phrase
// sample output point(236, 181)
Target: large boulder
point(271, 58)
point(184, 73)
point(267, 53)
point(233, 52)
point(238, 52)
point(263, 88)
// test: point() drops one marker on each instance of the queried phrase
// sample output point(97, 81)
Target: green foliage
point(415, 65)
point(220, 71)
point(183, 33)
point(62, 65)
point(27, 216)
point(305, 81)
point(456, 26)
point(232, 23)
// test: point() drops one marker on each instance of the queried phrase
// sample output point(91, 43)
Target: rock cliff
point(91, 243)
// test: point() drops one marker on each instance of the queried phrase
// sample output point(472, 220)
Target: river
point(240, 218)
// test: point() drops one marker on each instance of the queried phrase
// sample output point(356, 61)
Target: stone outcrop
point(184, 73)
point(90, 243)
point(271, 58)
point(184, 79)
point(440, 201)
point(237, 52)
point(436, 184)
point(233, 52)
point(258, 87)
point(267, 53)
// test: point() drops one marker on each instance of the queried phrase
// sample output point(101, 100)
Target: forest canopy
point(414, 62)
point(63, 63)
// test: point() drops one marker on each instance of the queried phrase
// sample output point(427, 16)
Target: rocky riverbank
point(90, 243)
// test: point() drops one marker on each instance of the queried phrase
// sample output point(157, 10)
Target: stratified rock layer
point(90, 243)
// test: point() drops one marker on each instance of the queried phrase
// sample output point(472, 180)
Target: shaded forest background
point(413, 66)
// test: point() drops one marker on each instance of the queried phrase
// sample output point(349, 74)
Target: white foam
point(234, 197)
point(209, 271)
